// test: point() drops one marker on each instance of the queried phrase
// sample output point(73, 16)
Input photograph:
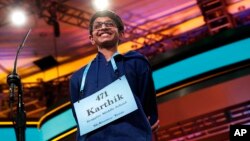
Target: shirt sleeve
point(74, 94)
point(147, 91)
point(73, 89)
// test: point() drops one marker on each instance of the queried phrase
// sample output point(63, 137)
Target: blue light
point(31, 134)
point(201, 63)
point(58, 124)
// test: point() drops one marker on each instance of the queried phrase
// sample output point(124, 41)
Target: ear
point(121, 35)
point(91, 39)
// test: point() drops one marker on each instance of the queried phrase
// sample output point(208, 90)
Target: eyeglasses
point(98, 25)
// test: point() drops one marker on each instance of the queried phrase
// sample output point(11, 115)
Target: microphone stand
point(15, 85)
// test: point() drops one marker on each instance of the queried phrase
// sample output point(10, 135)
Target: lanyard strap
point(114, 66)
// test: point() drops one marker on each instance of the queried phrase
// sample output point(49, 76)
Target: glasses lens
point(98, 25)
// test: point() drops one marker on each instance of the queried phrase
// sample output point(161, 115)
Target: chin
point(108, 44)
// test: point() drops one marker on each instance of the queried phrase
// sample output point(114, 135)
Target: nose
point(103, 25)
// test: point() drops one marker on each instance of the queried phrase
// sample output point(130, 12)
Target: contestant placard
point(110, 103)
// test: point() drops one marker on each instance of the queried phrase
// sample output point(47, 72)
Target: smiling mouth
point(104, 34)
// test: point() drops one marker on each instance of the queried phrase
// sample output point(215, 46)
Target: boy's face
point(105, 33)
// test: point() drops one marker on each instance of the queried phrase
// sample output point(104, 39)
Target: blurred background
point(198, 50)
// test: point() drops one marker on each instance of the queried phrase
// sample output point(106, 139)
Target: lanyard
point(114, 66)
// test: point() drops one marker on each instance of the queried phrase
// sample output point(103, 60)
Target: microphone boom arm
point(19, 48)
point(13, 80)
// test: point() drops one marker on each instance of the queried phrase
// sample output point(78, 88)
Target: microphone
point(13, 79)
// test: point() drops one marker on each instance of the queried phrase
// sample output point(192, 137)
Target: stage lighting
point(18, 17)
point(101, 4)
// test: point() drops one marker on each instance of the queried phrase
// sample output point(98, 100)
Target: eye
point(109, 24)
point(97, 25)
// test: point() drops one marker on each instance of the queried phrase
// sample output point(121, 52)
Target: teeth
point(104, 34)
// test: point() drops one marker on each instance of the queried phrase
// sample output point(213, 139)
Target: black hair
point(111, 15)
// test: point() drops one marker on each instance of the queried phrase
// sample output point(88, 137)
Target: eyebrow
point(103, 21)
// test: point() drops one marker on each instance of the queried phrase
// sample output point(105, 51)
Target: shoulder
point(135, 56)
point(77, 74)
point(137, 61)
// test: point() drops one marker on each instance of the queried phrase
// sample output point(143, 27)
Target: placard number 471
point(101, 96)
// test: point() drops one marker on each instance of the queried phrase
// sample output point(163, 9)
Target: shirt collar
point(101, 57)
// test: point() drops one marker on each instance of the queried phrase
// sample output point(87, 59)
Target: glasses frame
point(99, 25)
